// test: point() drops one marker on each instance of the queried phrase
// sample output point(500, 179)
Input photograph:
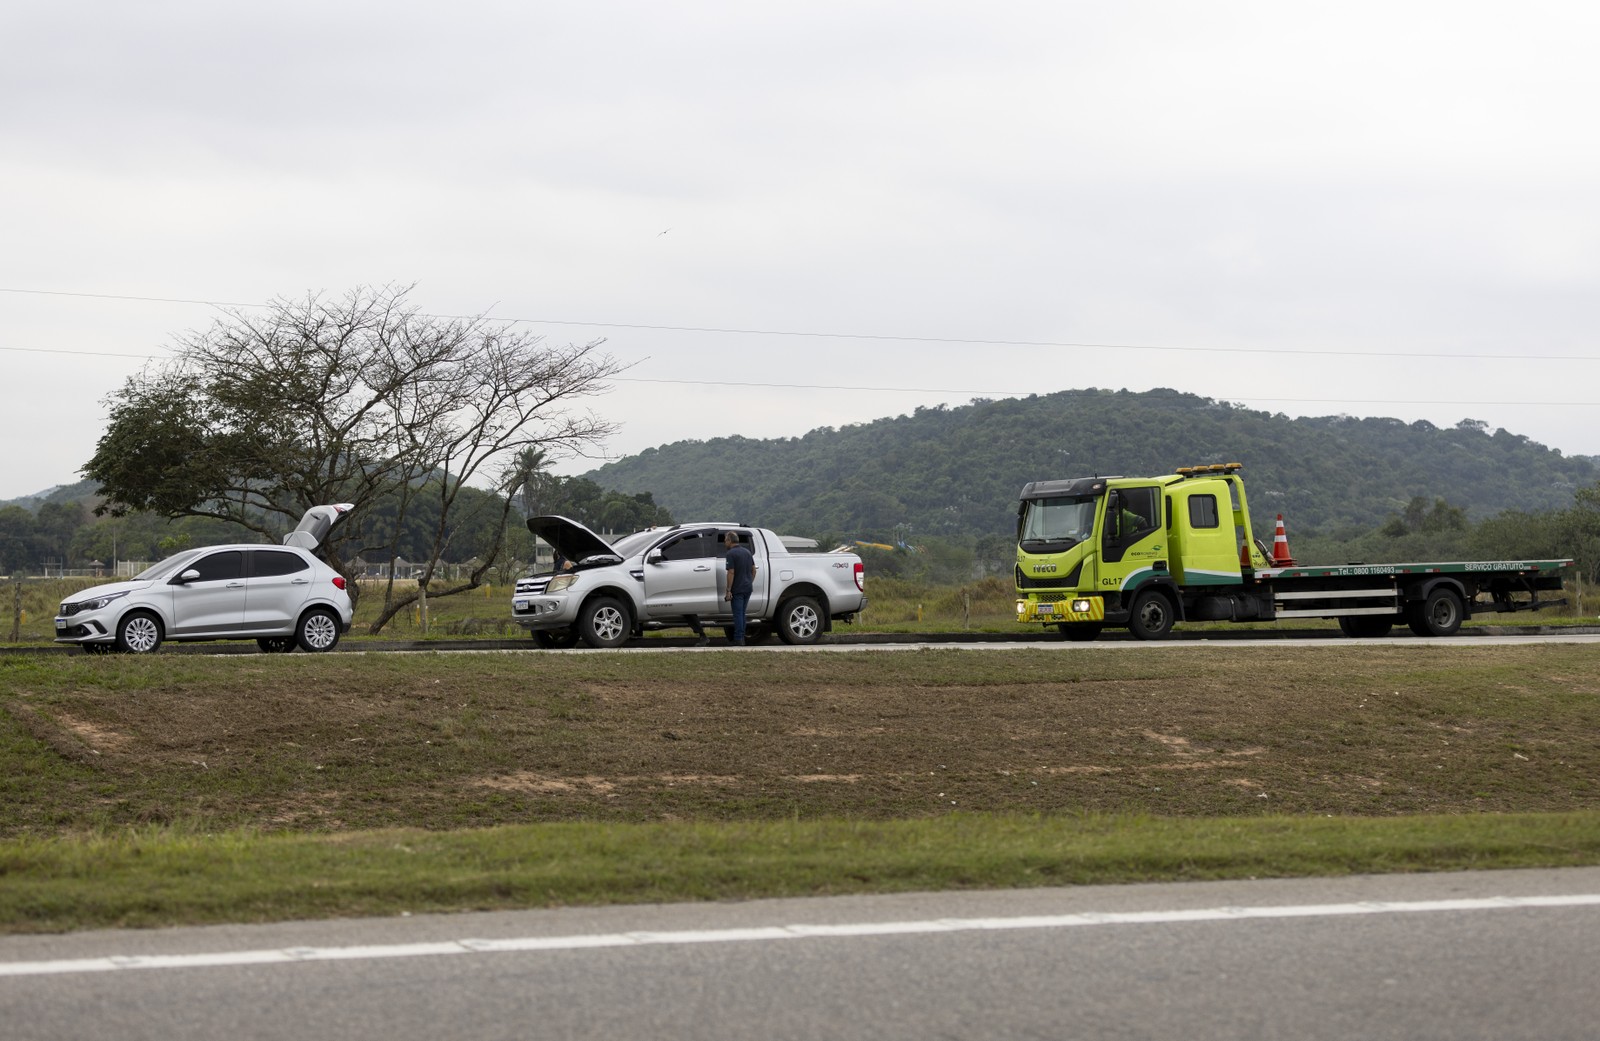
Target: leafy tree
point(584, 501)
point(17, 549)
point(262, 416)
point(1419, 516)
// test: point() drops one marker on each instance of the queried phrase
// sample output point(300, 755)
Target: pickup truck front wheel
point(799, 620)
point(604, 623)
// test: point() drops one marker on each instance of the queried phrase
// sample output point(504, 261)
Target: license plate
point(520, 605)
point(1046, 609)
point(61, 625)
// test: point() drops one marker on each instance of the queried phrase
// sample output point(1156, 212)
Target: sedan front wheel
point(139, 633)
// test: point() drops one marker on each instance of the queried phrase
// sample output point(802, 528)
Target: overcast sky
point(859, 208)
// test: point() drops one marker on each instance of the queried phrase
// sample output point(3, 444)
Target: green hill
point(956, 471)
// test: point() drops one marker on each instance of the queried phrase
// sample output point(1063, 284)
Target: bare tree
point(263, 415)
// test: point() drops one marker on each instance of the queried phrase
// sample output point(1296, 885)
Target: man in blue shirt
point(741, 581)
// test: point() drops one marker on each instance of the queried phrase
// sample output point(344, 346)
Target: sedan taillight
point(338, 580)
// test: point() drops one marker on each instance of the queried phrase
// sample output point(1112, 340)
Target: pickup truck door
point(681, 576)
point(758, 593)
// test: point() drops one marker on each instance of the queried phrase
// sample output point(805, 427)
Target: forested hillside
point(957, 471)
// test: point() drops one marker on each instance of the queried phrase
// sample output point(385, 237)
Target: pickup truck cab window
point(691, 546)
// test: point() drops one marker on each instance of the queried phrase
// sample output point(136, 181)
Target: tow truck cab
point(1087, 548)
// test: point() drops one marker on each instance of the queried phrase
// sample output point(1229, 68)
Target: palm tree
point(528, 479)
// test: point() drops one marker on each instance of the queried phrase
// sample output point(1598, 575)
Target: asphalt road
point(1501, 955)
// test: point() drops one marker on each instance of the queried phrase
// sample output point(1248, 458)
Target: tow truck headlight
point(560, 582)
point(1080, 607)
point(1022, 605)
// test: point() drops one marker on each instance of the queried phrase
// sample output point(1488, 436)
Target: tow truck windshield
point(1053, 525)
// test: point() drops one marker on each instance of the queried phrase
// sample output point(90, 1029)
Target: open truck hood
point(574, 541)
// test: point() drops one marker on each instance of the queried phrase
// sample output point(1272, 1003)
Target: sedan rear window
point(265, 563)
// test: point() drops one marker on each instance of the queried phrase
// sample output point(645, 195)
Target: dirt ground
point(457, 741)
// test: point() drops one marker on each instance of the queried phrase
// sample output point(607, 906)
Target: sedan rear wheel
point(318, 630)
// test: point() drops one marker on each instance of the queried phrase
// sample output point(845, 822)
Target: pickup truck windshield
point(1053, 525)
point(628, 545)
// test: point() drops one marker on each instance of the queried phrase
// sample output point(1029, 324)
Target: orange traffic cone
point(1280, 547)
point(1244, 556)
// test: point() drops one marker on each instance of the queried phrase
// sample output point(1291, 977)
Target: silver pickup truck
point(604, 593)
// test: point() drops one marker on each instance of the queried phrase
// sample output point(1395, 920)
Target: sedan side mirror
point(188, 576)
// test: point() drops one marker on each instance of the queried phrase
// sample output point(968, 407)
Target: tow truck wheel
point(1440, 613)
point(604, 623)
point(1152, 616)
point(1365, 626)
point(554, 639)
point(1078, 632)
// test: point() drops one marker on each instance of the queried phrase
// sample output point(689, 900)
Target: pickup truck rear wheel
point(604, 623)
point(1440, 613)
point(799, 620)
point(1152, 616)
point(554, 639)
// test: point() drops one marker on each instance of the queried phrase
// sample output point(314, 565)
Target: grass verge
point(162, 877)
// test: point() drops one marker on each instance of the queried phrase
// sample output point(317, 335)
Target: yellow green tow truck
point(1145, 553)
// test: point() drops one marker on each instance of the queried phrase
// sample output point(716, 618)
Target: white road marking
point(300, 955)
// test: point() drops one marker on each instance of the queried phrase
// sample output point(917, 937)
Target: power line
point(86, 354)
point(1025, 393)
point(876, 337)
point(933, 390)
